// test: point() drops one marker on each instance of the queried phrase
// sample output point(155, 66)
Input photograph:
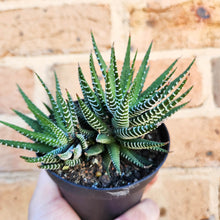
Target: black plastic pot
point(106, 204)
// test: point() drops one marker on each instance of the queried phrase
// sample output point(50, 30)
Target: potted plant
point(103, 149)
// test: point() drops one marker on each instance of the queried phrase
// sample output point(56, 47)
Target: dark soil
point(92, 174)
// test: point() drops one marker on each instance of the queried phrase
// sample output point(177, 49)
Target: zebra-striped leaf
point(158, 111)
point(140, 78)
point(140, 143)
point(157, 83)
point(72, 109)
point(90, 95)
point(66, 114)
point(36, 136)
point(101, 62)
point(126, 67)
point(33, 108)
point(92, 119)
point(53, 166)
point(134, 158)
point(134, 132)
point(96, 82)
point(130, 75)
point(82, 140)
point(57, 111)
point(72, 163)
point(58, 132)
point(121, 116)
point(114, 78)
point(31, 122)
point(109, 95)
point(48, 158)
point(36, 147)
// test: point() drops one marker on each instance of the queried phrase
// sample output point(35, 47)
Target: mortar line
point(80, 57)
point(14, 5)
point(17, 176)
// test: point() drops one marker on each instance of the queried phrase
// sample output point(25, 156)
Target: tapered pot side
point(107, 203)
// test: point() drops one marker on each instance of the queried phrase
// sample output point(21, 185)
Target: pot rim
point(130, 186)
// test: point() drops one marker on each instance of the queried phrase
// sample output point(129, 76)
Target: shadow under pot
point(108, 203)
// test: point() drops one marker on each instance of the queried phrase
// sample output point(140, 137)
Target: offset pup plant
point(109, 122)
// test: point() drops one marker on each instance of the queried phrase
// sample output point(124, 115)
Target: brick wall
point(43, 36)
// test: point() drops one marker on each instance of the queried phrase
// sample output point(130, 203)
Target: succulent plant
point(110, 122)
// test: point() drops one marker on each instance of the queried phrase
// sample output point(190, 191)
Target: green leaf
point(36, 136)
point(72, 163)
point(58, 89)
point(109, 95)
point(114, 152)
point(33, 108)
point(77, 152)
point(82, 140)
point(106, 161)
point(121, 116)
point(39, 148)
point(139, 144)
point(160, 120)
point(49, 110)
point(72, 110)
point(66, 114)
point(92, 119)
point(86, 100)
point(130, 75)
point(104, 139)
point(45, 159)
point(57, 111)
point(111, 71)
point(100, 60)
point(134, 158)
point(53, 166)
point(31, 122)
point(148, 103)
point(157, 83)
point(59, 98)
point(49, 157)
point(88, 133)
point(67, 154)
point(158, 149)
point(96, 82)
point(95, 150)
point(133, 61)
point(58, 132)
point(126, 67)
point(159, 110)
point(90, 95)
point(134, 132)
point(77, 115)
point(114, 78)
point(140, 78)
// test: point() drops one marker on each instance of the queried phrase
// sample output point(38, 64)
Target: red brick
point(194, 142)
point(188, 24)
point(181, 197)
point(10, 98)
point(64, 29)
